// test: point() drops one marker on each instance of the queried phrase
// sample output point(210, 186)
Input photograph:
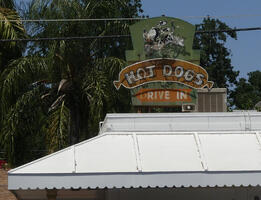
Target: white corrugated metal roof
point(170, 122)
point(141, 150)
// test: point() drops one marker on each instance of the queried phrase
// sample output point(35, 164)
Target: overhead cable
point(127, 19)
point(62, 38)
point(74, 20)
point(221, 16)
point(228, 30)
point(118, 36)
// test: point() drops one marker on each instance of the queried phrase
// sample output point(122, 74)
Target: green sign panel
point(162, 37)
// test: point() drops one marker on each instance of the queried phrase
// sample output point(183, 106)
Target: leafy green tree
point(10, 28)
point(247, 92)
point(215, 57)
point(62, 89)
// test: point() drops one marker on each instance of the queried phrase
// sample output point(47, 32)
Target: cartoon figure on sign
point(160, 39)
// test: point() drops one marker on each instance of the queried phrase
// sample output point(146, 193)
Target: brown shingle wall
point(4, 193)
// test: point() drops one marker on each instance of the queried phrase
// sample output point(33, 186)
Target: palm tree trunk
point(74, 125)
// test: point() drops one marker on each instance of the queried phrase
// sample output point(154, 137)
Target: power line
point(128, 19)
point(228, 30)
point(221, 16)
point(74, 20)
point(62, 38)
point(118, 36)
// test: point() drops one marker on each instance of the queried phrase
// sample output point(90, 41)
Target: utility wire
point(62, 38)
point(228, 30)
point(128, 19)
point(223, 16)
point(119, 36)
point(74, 20)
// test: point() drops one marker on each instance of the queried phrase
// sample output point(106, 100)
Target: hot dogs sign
point(163, 70)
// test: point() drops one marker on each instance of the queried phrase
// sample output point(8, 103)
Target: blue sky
point(246, 50)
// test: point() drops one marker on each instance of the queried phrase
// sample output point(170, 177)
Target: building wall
point(200, 193)
point(240, 193)
point(4, 193)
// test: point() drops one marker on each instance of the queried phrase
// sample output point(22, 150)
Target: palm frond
point(7, 4)
point(59, 68)
point(95, 89)
point(111, 65)
point(10, 29)
point(20, 73)
point(16, 119)
point(56, 103)
point(58, 128)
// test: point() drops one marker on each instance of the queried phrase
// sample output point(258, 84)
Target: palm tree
point(62, 89)
point(10, 28)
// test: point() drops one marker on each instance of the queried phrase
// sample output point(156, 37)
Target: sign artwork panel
point(163, 70)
